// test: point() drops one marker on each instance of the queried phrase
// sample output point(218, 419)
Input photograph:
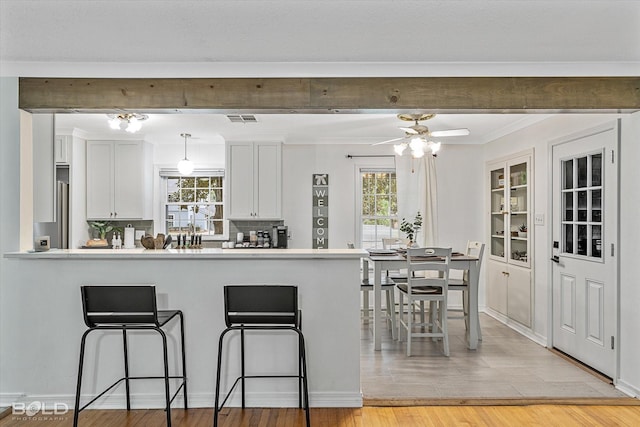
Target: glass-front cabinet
point(509, 271)
point(510, 196)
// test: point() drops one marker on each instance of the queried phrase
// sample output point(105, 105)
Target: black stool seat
point(128, 307)
point(262, 307)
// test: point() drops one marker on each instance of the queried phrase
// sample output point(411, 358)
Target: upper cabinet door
point(100, 186)
point(254, 180)
point(268, 180)
point(240, 180)
point(117, 180)
point(128, 196)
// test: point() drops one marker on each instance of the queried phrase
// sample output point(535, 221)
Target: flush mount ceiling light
point(185, 166)
point(131, 122)
point(418, 137)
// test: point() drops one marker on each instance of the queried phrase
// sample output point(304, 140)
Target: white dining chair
point(388, 287)
point(427, 280)
point(475, 249)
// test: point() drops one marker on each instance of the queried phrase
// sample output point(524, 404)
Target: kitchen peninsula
point(48, 305)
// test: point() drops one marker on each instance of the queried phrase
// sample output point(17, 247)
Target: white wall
point(457, 189)
point(201, 154)
point(538, 136)
point(629, 255)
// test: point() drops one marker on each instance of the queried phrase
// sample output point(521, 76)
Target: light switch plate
point(539, 219)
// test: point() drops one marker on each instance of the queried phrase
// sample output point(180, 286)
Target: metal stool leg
point(126, 368)
point(166, 376)
point(76, 413)
point(184, 361)
point(242, 372)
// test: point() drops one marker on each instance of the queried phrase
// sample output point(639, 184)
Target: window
point(195, 204)
point(379, 207)
point(582, 194)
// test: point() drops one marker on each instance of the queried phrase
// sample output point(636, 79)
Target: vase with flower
point(411, 228)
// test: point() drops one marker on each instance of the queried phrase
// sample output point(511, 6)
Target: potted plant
point(411, 228)
point(102, 228)
point(522, 230)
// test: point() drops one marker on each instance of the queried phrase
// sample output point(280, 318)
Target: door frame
point(617, 128)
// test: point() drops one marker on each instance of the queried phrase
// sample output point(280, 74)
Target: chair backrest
point(119, 304)
point(423, 261)
point(261, 304)
point(475, 249)
point(394, 243)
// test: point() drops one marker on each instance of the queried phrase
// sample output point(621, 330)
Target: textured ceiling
point(320, 31)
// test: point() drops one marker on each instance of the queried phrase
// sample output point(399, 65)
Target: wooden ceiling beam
point(332, 95)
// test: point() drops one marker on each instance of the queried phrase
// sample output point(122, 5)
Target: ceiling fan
point(417, 136)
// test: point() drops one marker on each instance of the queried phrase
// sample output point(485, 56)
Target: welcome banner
point(320, 189)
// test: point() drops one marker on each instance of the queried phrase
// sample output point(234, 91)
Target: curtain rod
point(352, 156)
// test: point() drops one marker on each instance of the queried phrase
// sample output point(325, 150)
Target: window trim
point(165, 173)
point(359, 170)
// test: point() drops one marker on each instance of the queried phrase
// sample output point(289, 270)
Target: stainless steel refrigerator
point(57, 231)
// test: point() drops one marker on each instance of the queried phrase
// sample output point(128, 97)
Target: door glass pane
point(567, 174)
point(582, 240)
point(568, 206)
point(596, 241)
point(596, 202)
point(568, 238)
point(582, 172)
point(596, 170)
point(582, 205)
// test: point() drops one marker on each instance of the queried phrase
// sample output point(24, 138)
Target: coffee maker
point(280, 236)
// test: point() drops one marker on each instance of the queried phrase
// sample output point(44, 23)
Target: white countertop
point(207, 253)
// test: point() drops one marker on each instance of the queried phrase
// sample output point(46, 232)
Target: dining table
point(384, 260)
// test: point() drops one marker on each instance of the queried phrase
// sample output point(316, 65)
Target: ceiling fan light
point(134, 125)
point(399, 148)
point(435, 147)
point(417, 152)
point(185, 166)
point(417, 144)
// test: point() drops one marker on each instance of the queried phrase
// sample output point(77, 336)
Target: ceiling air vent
point(242, 118)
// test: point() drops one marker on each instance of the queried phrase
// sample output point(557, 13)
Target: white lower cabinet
point(509, 291)
point(118, 180)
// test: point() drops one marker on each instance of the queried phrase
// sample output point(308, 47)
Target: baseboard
point(628, 389)
point(196, 400)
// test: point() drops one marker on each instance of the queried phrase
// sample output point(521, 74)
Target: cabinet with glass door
point(510, 216)
point(509, 273)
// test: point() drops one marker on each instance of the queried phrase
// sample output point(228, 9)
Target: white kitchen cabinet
point(509, 291)
point(118, 180)
point(509, 286)
point(254, 180)
point(62, 149)
point(44, 171)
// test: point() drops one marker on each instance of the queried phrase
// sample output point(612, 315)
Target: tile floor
point(505, 365)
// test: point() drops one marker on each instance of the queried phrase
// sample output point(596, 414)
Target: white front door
point(585, 217)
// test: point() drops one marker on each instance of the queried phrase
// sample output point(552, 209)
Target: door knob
point(556, 259)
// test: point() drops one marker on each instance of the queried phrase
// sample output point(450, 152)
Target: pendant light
point(185, 166)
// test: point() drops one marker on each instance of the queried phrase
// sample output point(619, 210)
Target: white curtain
point(417, 191)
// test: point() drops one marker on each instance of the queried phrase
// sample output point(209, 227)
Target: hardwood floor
point(422, 416)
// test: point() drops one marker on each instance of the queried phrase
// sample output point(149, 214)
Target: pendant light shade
point(185, 166)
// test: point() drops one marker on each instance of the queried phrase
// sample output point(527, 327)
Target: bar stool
point(262, 308)
point(126, 308)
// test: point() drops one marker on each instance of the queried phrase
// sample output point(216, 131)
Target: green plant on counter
point(523, 228)
point(102, 227)
point(411, 229)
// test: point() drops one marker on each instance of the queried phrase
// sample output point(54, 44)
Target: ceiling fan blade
point(387, 141)
point(410, 130)
point(450, 132)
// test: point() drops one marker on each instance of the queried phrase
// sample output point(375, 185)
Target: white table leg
point(377, 305)
point(472, 332)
